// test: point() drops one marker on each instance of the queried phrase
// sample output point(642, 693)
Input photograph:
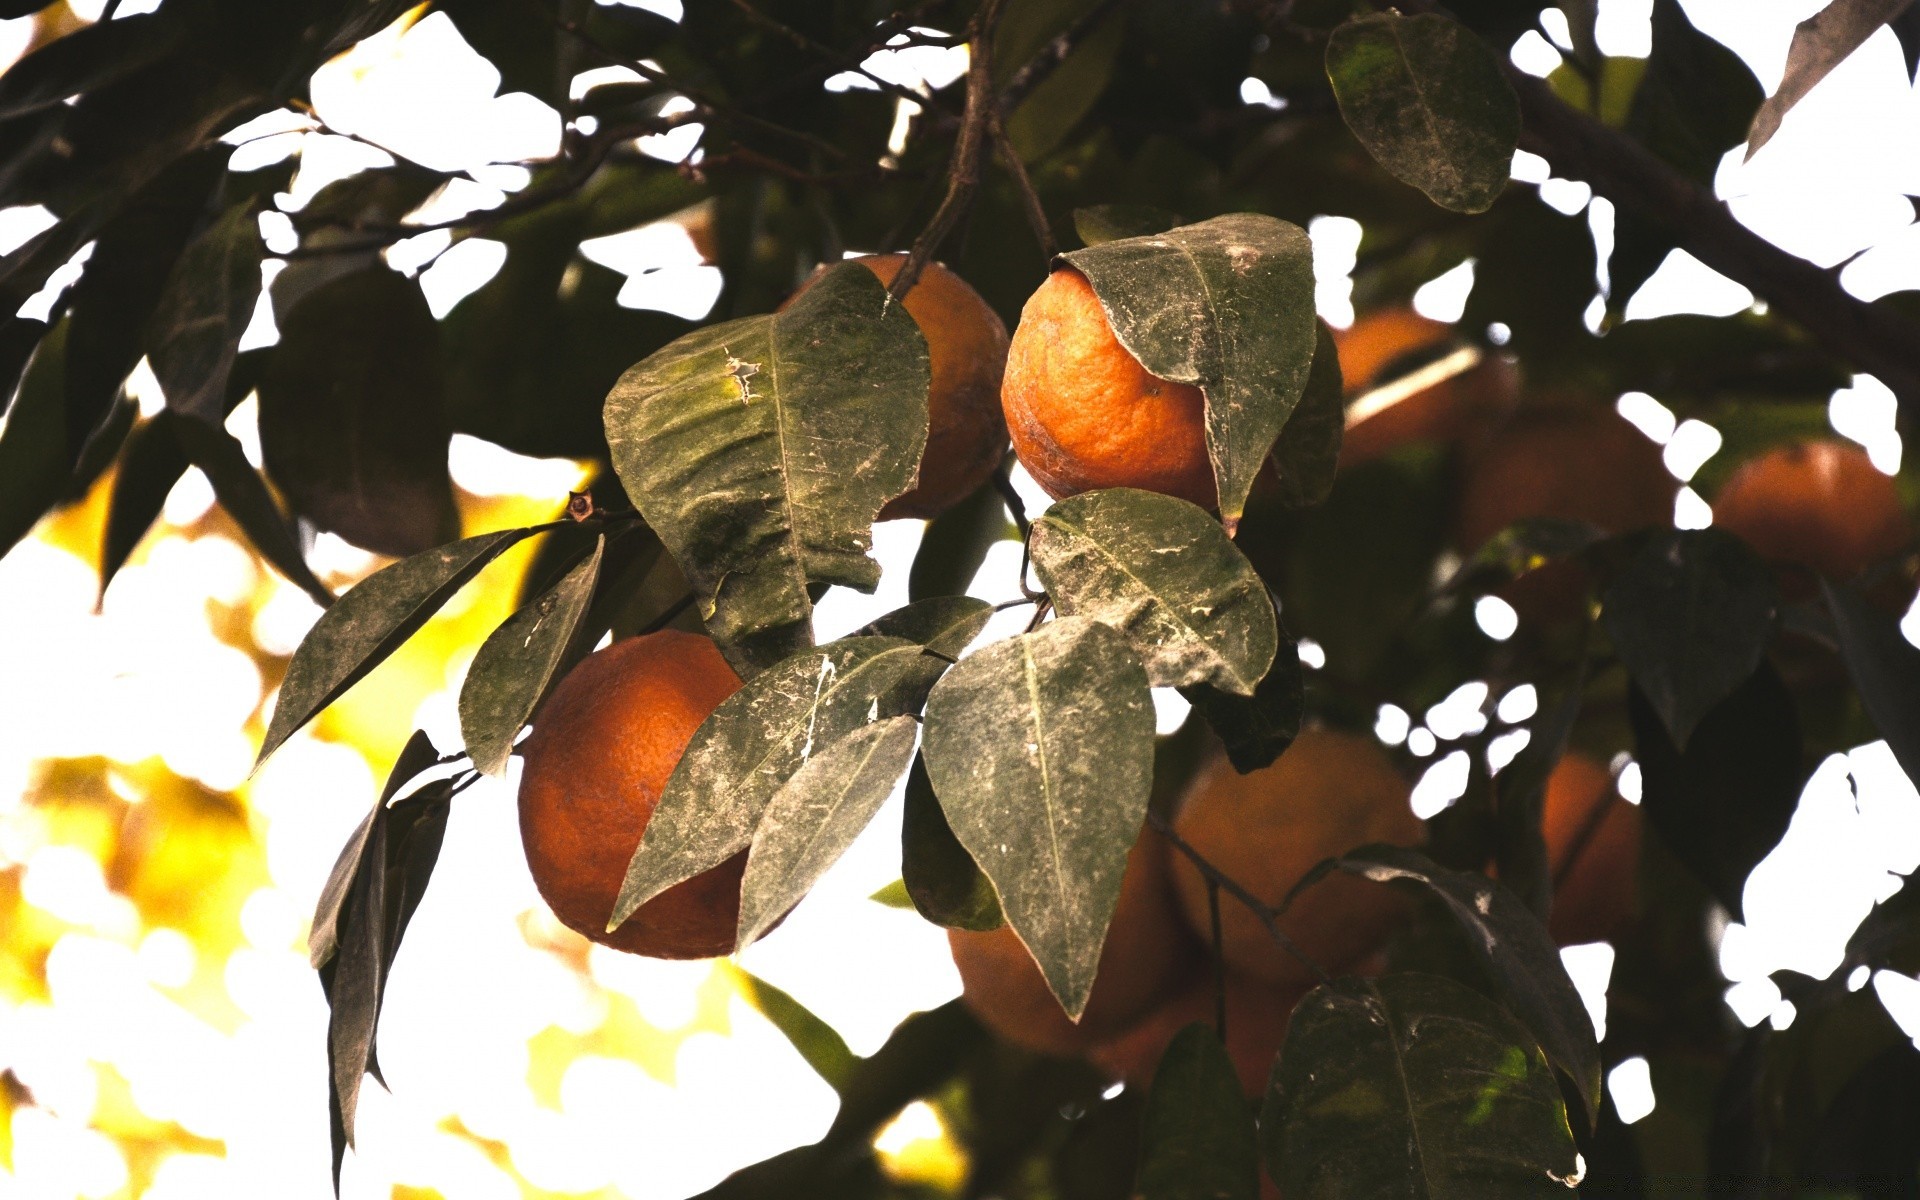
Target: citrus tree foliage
point(743, 457)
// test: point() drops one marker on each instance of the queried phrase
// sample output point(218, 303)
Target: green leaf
point(1725, 801)
point(956, 542)
point(1199, 1142)
point(86, 59)
point(1526, 545)
point(1111, 222)
point(1428, 101)
point(244, 496)
point(370, 622)
point(351, 419)
point(944, 624)
point(1257, 729)
point(1063, 97)
point(818, 1042)
point(149, 467)
point(1885, 667)
point(758, 739)
point(1165, 574)
point(1516, 949)
point(894, 895)
point(816, 815)
point(1308, 452)
point(35, 457)
point(1225, 305)
point(194, 334)
point(1413, 1085)
point(1820, 43)
point(1041, 751)
point(761, 449)
point(518, 663)
point(939, 879)
point(1690, 617)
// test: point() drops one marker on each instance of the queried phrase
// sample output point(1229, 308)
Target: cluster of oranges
point(1082, 413)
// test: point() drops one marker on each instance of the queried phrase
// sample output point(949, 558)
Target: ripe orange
point(1147, 954)
point(1593, 864)
point(1820, 505)
point(1085, 414)
point(967, 351)
point(596, 762)
point(1257, 1017)
point(1329, 793)
point(1392, 343)
point(1579, 464)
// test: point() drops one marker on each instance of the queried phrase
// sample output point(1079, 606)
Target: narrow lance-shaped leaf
point(1199, 1142)
point(1885, 668)
point(244, 495)
point(1165, 574)
point(1308, 452)
point(1820, 43)
point(1227, 306)
point(1413, 1086)
point(370, 622)
point(194, 334)
point(149, 467)
point(758, 739)
point(814, 817)
point(761, 450)
point(1427, 99)
point(1518, 953)
point(938, 878)
point(818, 1042)
point(1041, 751)
point(88, 58)
point(1690, 617)
point(517, 663)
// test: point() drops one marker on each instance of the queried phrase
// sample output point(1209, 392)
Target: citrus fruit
point(1821, 505)
point(1329, 793)
point(1085, 414)
point(1396, 344)
point(1257, 1016)
point(1147, 953)
point(1593, 849)
point(596, 762)
point(1576, 463)
point(967, 351)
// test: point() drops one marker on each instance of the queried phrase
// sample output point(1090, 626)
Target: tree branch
point(1265, 913)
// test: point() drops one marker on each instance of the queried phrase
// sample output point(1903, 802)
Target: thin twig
point(1266, 914)
point(666, 618)
point(963, 172)
point(1219, 961)
point(846, 62)
point(1029, 199)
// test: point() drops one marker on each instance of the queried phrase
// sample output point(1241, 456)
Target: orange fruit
point(1257, 1017)
point(1329, 793)
point(1085, 414)
point(598, 757)
point(1391, 344)
point(1820, 505)
point(967, 352)
point(1578, 464)
point(1594, 855)
point(1147, 954)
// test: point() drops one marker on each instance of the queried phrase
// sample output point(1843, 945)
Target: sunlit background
point(161, 1034)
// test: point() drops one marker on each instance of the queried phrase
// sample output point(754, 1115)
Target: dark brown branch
point(1029, 199)
point(844, 62)
point(1265, 913)
point(963, 172)
point(1619, 168)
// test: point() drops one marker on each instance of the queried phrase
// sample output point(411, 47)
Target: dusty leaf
point(1165, 574)
point(1416, 1086)
point(1199, 1142)
point(1427, 99)
point(1820, 43)
point(1516, 949)
point(761, 450)
point(1255, 730)
point(370, 622)
point(518, 662)
point(758, 739)
point(938, 877)
point(1225, 305)
point(1308, 452)
point(194, 334)
point(1041, 751)
point(943, 624)
point(1690, 617)
point(815, 816)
